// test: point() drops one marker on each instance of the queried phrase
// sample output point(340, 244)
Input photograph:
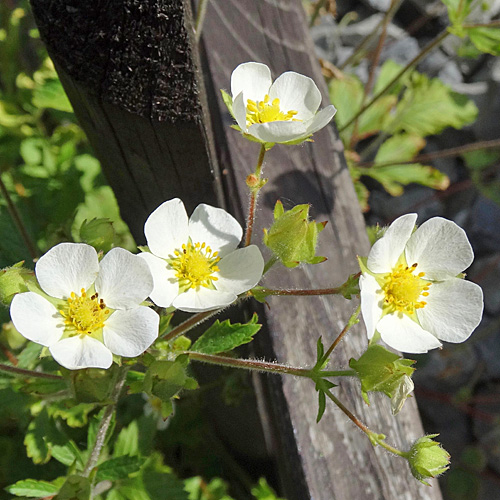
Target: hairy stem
point(352, 321)
point(28, 373)
point(445, 153)
point(319, 291)
point(190, 323)
point(254, 193)
point(16, 218)
point(373, 436)
point(428, 48)
point(250, 364)
point(104, 424)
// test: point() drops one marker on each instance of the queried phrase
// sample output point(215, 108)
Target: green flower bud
point(428, 458)
point(14, 280)
point(98, 233)
point(380, 370)
point(292, 237)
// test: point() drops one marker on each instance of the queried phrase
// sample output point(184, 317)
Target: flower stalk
point(254, 193)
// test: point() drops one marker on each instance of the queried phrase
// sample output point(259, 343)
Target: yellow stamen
point(264, 112)
point(402, 290)
point(195, 265)
point(83, 314)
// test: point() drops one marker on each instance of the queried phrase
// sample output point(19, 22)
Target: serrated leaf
point(485, 39)
point(75, 488)
point(36, 446)
point(32, 488)
point(119, 467)
point(428, 106)
point(160, 486)
point(224, 336)
point(403, 147)
point(75, 415)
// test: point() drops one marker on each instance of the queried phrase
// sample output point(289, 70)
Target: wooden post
point(331, 460)
point(129, 71)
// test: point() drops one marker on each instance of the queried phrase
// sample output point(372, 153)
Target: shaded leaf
point(50, 94)
point(119, 467)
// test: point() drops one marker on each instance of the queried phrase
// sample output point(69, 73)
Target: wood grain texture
point(331, 460)
point(130, 73)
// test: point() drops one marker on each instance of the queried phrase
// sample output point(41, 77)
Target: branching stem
point(28, 373)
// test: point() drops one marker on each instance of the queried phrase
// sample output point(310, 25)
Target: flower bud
point(428, 458)
point(292, 237)
point(380, 370)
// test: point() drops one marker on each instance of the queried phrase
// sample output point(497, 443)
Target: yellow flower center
point(265, 111)
point(195, 266)
point(402, 290)
point(83, 314)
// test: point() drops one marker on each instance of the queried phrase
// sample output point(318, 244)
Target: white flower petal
point(403, 334)
point(80, 351)
point(129, 333)
point(371, 296)
point(440, 248)
point(252, 79)
point(203, 299)
point(66, 268)
point(321, 119)
point(215, 227)
point(36, 318)
point(240, 111)
point(166, 286)
point(240, 270)
point(278, 131)
point(167, 228)
point(387, 250)
point(124, 279)
point(296, 93)
point(454, 308)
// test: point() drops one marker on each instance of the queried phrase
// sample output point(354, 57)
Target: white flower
point(194, 262)
point(410, 289)
point(92, 308)
point(283, 111)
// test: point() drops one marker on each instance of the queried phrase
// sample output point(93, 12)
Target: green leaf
point(51, 94)
point(350, 287)
point(428, 106)
point(67, 453)
point(222, 337)
point(75, 415)
point(403, 147)
point(486, 39)
point(228, 101)
point(127, 442)
point(32, 488)
point(36, 446)
point(119, 467)
point(75, 488)
point(387, 73)
point(458, 10)
point(93, 385)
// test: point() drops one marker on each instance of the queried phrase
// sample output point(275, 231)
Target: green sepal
point(165, 379)
point(259, 294)
point(99, 233)
point(92, 385)
point(380, 370)
point(228, 101)
point(293, 237)
point(350, 287)
point(224, 336)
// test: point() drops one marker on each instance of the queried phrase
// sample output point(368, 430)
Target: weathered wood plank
point(331, 460)
point(130, 74)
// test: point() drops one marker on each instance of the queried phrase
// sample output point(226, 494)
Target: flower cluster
point(412, 290)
